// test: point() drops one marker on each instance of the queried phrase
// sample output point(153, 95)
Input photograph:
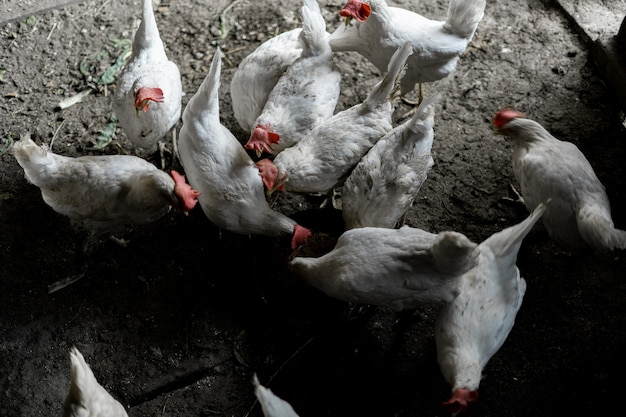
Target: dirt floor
point(168, 333)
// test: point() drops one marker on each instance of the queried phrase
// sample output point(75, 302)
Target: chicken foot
point(334, 198)
point(163, 149)
point(518, 197)
point(91, 243)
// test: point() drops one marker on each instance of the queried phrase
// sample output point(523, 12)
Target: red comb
point(261, 140)
point(144, 95)
point(357, 10)
point(505, 116)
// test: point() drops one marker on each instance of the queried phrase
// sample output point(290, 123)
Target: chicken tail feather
point(454, 253)
point(509, 240)
point(208, 101)
point(147, 35)
point(313, 35)
point(385, 87)
point(26, 149)
point(423, 120)
point(597, 228)
point(271, 404)
point(464, 16)
point(86, 395)
point(38, 163)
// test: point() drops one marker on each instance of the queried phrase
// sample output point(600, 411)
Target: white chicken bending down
point(381, 29)
point(395, 268)
point(324, 157)
point(546, 167)
point(148, 92)
point(383, 185)
point(471, 328)
point(87, 398)
point(103, 193)
point(305, 94)
point(232, 191)
point(271, 404)
point(257, 74)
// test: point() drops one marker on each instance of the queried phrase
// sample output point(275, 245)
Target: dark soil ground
point(169, 333)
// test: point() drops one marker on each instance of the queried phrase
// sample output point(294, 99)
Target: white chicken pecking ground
point(86, 397)
point(580, 213)
point(148, 91)
point(396, 268)
point(102, 194)
point(217, 165)
point(324, 157)
point(257, 74)
point(380, 29)
point(471, 328)
point(306, 93)
point(383, 185)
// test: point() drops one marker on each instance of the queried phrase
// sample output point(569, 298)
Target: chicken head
point(261, 140)
point(272, 179)
point(460, 400)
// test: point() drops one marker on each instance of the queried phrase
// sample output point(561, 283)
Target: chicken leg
point(415, 104)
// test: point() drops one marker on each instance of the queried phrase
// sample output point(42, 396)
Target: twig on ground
point(56, 132)
point(76, 98)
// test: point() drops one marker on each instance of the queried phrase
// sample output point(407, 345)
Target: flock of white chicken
point(284, 93)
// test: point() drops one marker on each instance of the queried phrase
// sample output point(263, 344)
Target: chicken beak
point(348, 20)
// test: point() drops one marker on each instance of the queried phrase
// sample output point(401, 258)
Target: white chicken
point(257, 74)
point(148, 92)
point(323, 158)
point(86, 397)
point(546, 167)
point(232, 192)
point(305, 94)
point(471, 328)
point(381, 29)
point(383, 185)
point(395, 268)
point(271, 404)
point(103, 193)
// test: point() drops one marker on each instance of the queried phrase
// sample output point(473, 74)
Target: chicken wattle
point(472, 327)
point(217, 165)
point(306, 93)
point(148, 91)
point(546, 167)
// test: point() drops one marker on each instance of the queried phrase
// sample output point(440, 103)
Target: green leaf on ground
point(106, 136)
point(5, 145)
